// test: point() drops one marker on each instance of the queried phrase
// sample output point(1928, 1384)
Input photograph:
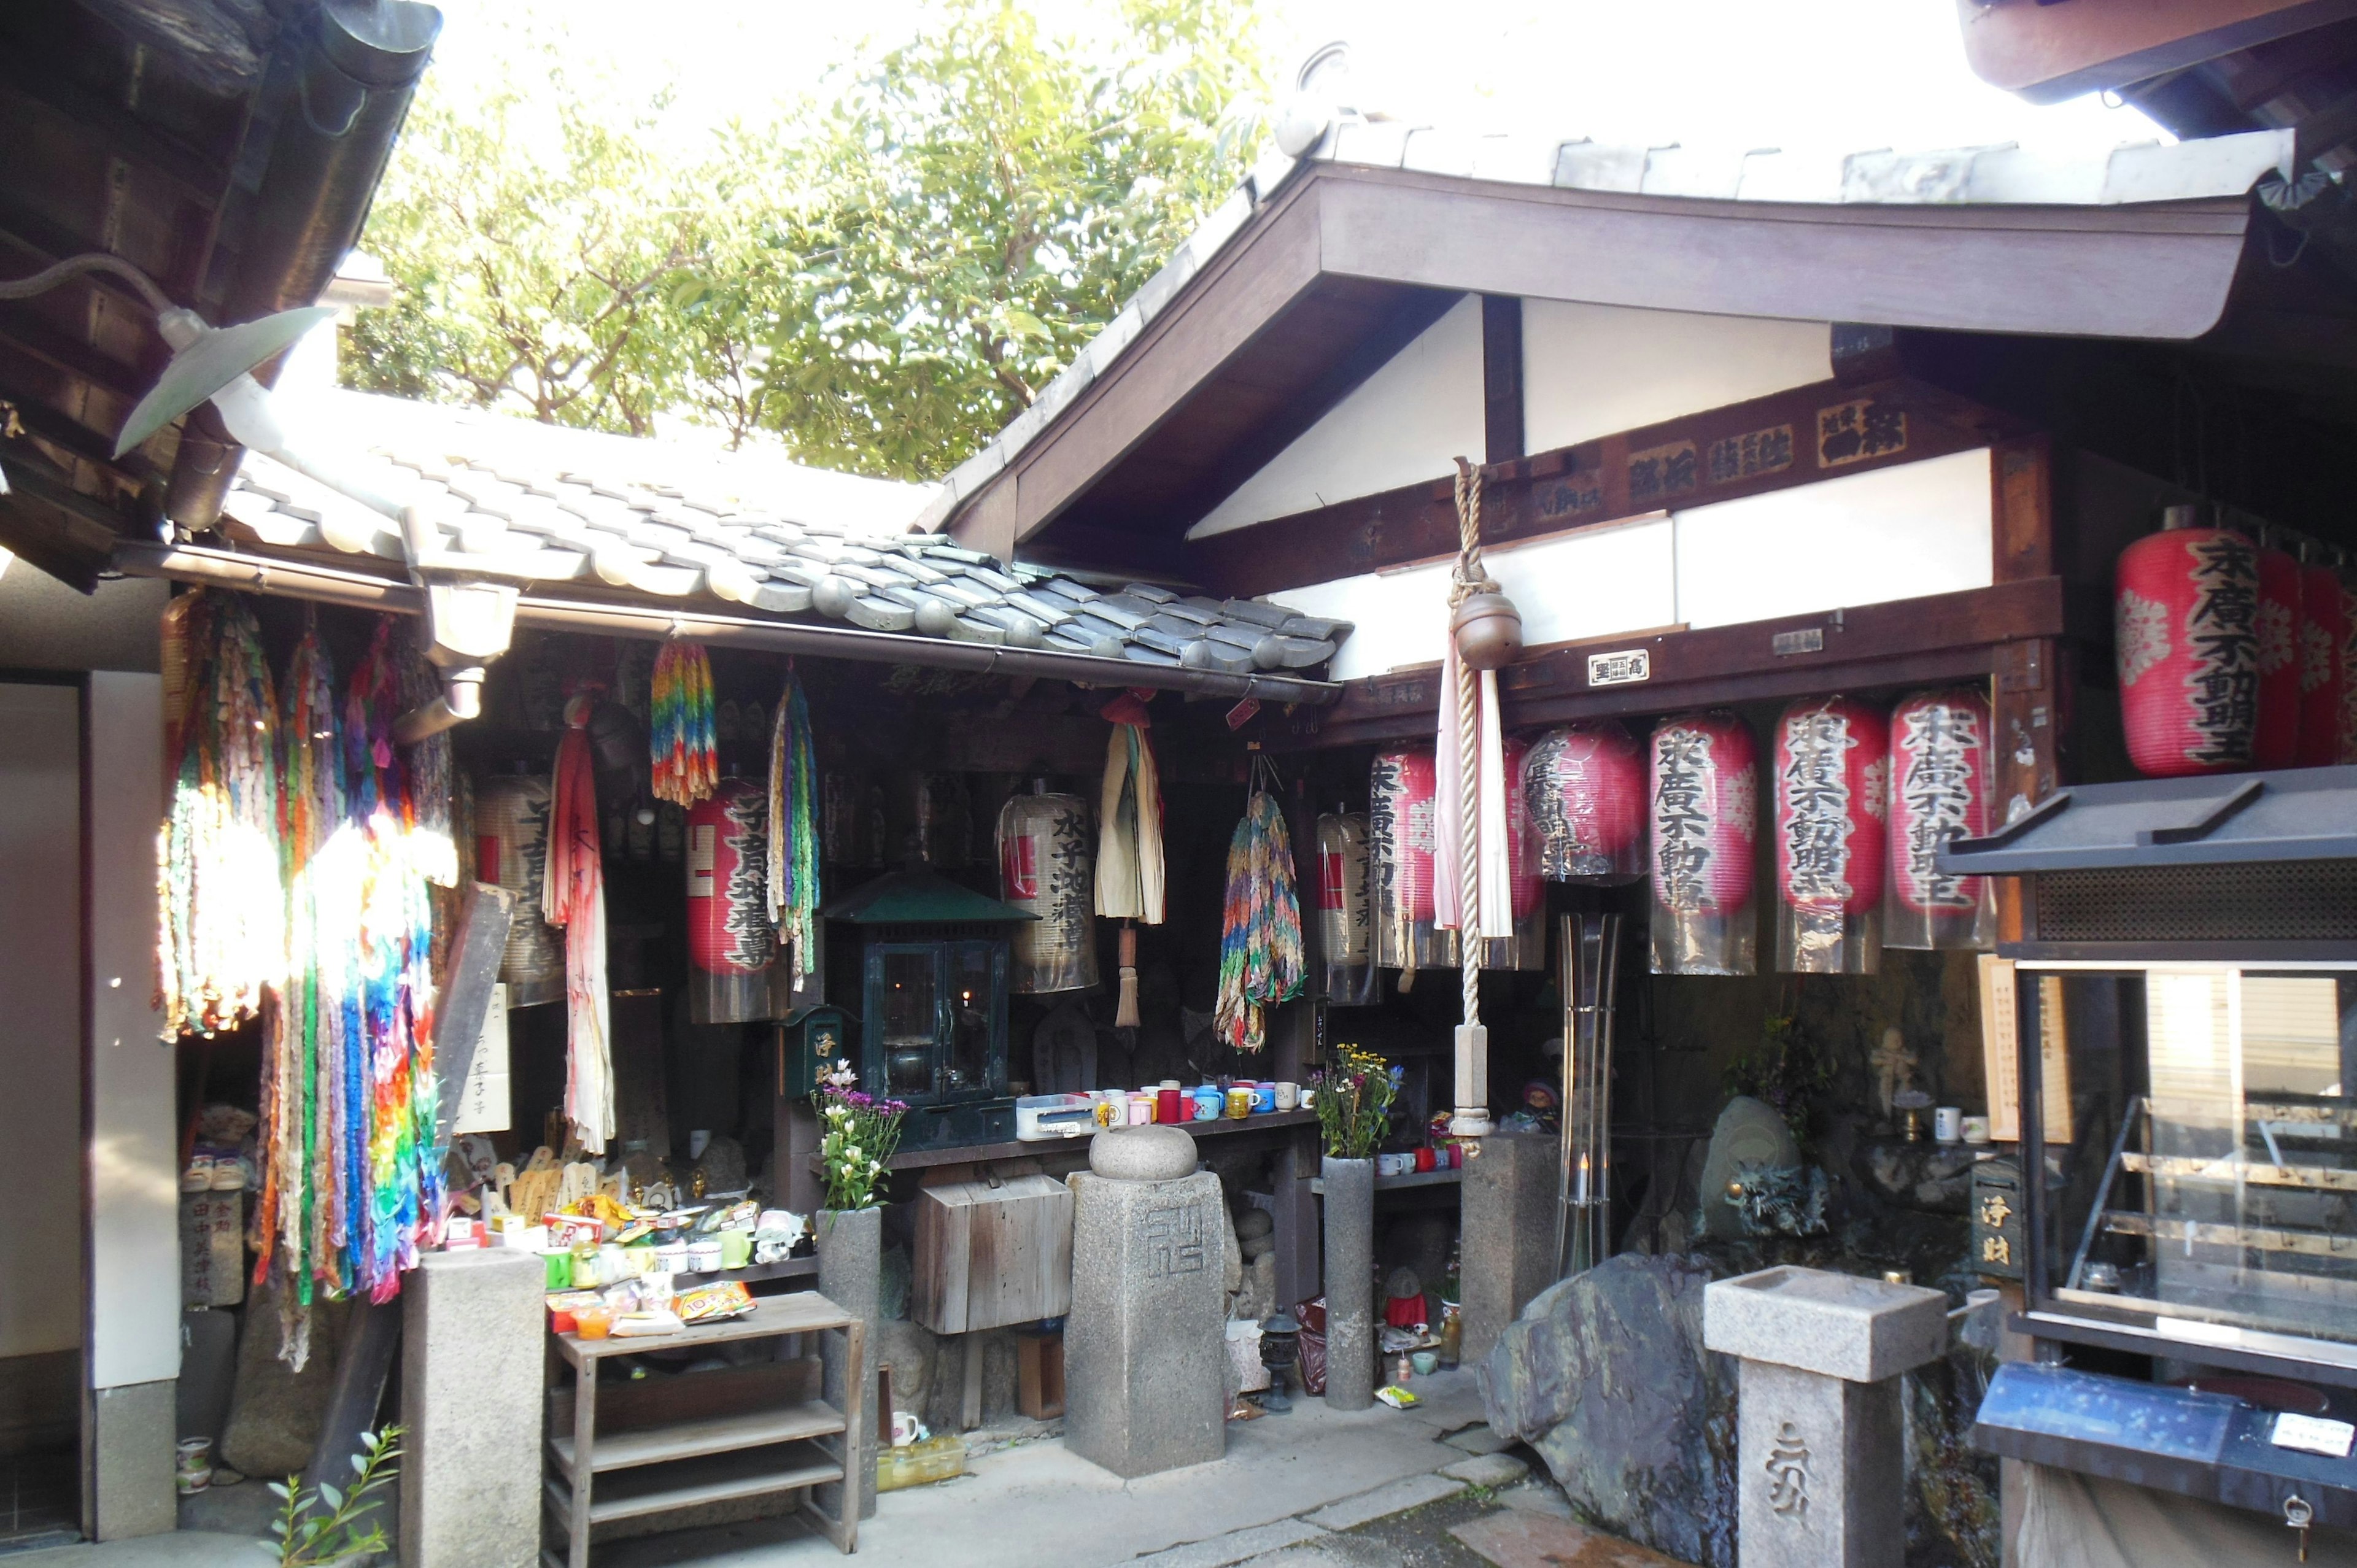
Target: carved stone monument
point(1821, 1438)
point(1145, 1348)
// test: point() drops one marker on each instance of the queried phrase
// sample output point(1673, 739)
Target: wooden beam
point(1816, 432)
point(1502, 378)
point(114, 127)
point(2159, 270)
point(1941, 637)
point(2028, 696)
point(39, 535)
point(1240, 291)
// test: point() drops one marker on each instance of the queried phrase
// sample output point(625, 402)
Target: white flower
point(852, 1153)
point(875, 1167)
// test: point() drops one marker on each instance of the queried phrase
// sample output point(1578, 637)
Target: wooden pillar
point(1502, 378)
point(2032, 683)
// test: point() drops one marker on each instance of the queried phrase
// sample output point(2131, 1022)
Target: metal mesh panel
point(2301, 901)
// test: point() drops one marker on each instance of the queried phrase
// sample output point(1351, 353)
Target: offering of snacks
point(714, 1304)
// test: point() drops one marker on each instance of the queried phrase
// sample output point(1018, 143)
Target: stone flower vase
point(850, 1275)
point(1350, 1282)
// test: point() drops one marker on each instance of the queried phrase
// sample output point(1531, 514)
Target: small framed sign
point(1623, 669)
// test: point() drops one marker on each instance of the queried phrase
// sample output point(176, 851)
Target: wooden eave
point(1160, 421)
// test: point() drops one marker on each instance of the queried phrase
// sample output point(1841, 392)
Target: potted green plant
point(1355, 1093)
point(333, 1524)
point(858, 1135)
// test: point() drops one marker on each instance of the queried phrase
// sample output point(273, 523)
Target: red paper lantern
point(1583, 789)
point(2322, 666)
point(1402, 830)
point(1703, 818)
point(1403, 833)
point(1524, 883)
point(1942, 776)
point(1833, 778)
point(2187, 643)
point(731, 944)
point(2348, 751)
point(2280, 673)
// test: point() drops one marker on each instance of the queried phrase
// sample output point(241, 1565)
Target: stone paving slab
point(1222, 1551)
point(1520, 1538)
point(1397, 1497)
point(1479, 1440)
point(1491, 1470)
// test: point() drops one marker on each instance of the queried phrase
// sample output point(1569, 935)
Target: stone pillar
point(1820, 1433)
point(1145, 1347)
point(1507, 1255)
point(1350, 1282)
point(851, 1275)
point(473, 1328)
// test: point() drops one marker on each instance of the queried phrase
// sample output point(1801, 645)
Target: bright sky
point(1837, 75)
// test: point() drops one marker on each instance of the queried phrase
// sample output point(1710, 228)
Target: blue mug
point(1207, 1105)
point(1263, 1096)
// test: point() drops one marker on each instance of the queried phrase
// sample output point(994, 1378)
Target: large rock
point(1605, 1375)
point(275, 1412)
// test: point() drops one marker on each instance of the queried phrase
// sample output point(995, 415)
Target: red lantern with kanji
point(1583, 788)
point(2348, 676)
point(1943, 777)
point(1526, 890)
point(732, 947)
point(1702, 818)
point(2187, 645)
point(1401, 829)
point(2277, 744)
point(1831, 780)
point(2322, 666)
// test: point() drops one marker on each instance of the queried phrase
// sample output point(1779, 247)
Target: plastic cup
point(593, 1322)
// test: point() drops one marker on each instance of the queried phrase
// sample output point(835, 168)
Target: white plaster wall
point(134, 1267)
point(1865, 539)
point(1894, 533)
point(1593, 370)
point(1589, 583)
point(40, 1016)
point(1407, 423)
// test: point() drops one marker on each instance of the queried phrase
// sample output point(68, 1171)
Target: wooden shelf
point(2238, 1171)
point(694, 1439)
point(694, 1482)
point(1449, 1177)
point(804, 1312)
point(967, 1153)
point(751, 1274)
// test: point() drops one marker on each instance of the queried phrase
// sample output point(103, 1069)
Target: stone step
point(1489, 1470)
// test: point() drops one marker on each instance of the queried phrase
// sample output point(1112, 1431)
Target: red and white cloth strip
point(1496, 913)
point(572, 895)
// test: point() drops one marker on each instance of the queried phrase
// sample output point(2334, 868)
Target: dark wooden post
point(2031, 685)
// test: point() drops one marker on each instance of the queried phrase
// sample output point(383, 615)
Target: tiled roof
point(2003, 175)
point(659, 520)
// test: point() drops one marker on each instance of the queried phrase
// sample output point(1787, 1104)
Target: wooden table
point(776, 1434)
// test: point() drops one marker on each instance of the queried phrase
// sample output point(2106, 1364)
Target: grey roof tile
point(1256, 612)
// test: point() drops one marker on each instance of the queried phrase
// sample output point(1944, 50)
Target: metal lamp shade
point(210, 363)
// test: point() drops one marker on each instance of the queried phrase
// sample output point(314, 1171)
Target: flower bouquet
point(860, 1134)
point(1354, 1102)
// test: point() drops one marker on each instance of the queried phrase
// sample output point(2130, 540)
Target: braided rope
point(1469, 576)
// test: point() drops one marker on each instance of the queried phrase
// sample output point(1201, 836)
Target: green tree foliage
point(883, 278)
point(974, 206)
point(534, 238)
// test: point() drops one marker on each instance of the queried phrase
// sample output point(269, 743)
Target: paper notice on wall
point(483, 1101)
point(2001, 1052)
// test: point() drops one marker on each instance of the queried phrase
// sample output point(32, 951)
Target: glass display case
point(2199, 1138)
